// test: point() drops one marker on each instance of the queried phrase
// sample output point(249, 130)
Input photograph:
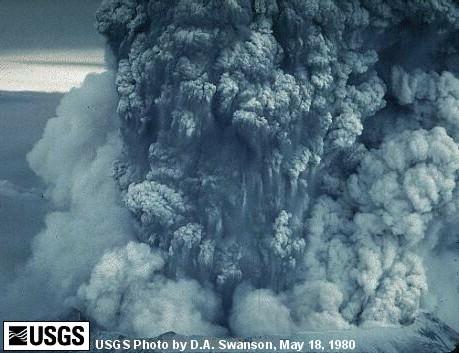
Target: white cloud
point(48, 71)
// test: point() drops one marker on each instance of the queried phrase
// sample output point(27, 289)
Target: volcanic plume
point(280, 166)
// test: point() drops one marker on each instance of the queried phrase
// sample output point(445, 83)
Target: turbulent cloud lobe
point(292, 151)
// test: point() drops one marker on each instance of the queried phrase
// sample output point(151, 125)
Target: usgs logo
point(45, 336)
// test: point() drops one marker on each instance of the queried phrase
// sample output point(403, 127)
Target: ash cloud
point(126, 291)
point(74, 157)
point(292, 154)
point(276, 159)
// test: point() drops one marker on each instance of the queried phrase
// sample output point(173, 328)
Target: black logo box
point(17, 335)
point(47, 350)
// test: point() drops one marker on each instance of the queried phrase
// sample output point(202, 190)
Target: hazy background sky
point(48, 45)
point(45, 46)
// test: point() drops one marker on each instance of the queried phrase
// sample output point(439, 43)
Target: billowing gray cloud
point(278, 159)
point(257, 133)
point(74, 157)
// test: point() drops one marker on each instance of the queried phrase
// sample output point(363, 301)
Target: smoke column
point(281, 166)
point(299, 158)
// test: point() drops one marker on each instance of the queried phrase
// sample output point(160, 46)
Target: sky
point(45, 46)
point(48, 45)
